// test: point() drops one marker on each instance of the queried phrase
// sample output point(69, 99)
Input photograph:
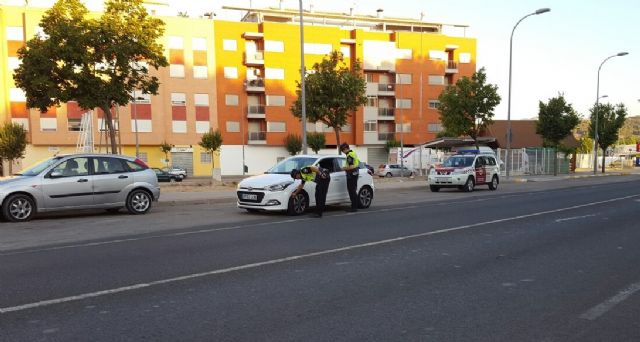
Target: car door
point(481, 172)
point(339, 188)
point(110, 181)
point(68, 185)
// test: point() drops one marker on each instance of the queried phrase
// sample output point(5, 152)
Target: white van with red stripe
point(465, 171)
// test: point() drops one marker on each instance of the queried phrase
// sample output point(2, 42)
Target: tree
point(586, 145)
point(13, 143)
point(165, 147)
point(293, 144)
point(556, 120)
point(97, 62)
point(332, 92)
point(391, 144)
point(466, 108)
point(610, 120)
point(316, 141)
point(211, 142)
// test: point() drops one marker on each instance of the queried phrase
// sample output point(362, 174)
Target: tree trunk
point(10, 167)
point(604, 152)
point(337, 131)
point(111, 132)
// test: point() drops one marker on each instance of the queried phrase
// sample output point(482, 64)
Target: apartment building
point(240, 77)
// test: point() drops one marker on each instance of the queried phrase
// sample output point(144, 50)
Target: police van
point(465, 170)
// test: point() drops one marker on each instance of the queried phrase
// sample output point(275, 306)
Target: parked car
point(177, 171)
point(465, 171)
point(79, 181)
point(164, 176)
point(394, 170)
point(272, 190)
point(368, 167)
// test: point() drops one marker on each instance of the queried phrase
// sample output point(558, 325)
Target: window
point(436, 80)
point(273, 46)
point(229, 45)
point(317, 49)
point(437, 55)
point(274, 74)
point(200, 72)
point(199, 44)
point(404, 54)
point(403, 103)
point(176, 70)
point(72, 167)
point(74, 125)
point(176, 43)
point(372, 101)
point(434, 128)
point(134, 167)
point(275, 100)
point(233, 126)
point(205, 158)
point(276, 126)
point(231, 100)
point(345, 128)
point(178, 99)
point(370, 126)
point(465, 57)
point(434, 104)
point(105, 165)
point(346, 51)
point(15, 33)
point(201, 100)
point(230, 72)
point(403, 127)
point(369, 77)
point(403, 78)
point(48, 124)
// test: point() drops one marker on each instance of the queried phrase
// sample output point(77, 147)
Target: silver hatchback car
point(79, 181)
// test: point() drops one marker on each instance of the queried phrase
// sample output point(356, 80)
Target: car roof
point(95, 155)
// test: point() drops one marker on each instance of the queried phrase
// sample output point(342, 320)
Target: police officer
point(318, 175)
point(351, 168)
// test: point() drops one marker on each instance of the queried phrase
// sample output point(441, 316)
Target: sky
point(556, 52)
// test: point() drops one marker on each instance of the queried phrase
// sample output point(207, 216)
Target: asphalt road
point(529, 262)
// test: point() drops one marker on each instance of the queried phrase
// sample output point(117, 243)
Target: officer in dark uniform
point(352, 167)
point(318, 175)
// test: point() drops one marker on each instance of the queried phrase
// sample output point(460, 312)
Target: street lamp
point(540, 11)
point(135, 122)
point(303, 103)
point(595, 113)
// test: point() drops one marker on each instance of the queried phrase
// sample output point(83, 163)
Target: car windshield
point(285, 166)
point(40, 166)
point(459, 161)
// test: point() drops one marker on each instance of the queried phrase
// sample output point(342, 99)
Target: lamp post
point(135, 122)
point(595, 112)
point(509, 137)
point(302, 90)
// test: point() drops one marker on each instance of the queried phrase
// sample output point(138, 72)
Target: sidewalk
point(228, 194)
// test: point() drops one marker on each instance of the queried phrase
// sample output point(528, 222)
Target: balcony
point(386, 113)
point(254, 58)
point(256, 112)
point(254, 85)
point(451, 67)
point(386, 136)
point(258, 138)
point(386, 89)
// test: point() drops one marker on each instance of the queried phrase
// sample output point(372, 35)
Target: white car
point(465, 171)
point(272, 190)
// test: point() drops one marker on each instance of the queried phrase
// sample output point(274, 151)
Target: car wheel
point(388, 175)
point(179, 179)
point(138, 202)
point(172, 179)
point(469, 185)
point(297, 205)
point(113, 210)
point(19, 208)
point(434, 188)
point(365, 197)
point(494, 183)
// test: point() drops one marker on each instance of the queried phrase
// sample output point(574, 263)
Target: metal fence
point(533, 161)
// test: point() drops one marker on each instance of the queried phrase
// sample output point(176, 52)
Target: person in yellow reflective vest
point(351, 168)
point(318, 175)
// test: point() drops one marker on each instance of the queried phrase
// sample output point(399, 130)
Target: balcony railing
point(256, 111)
point(257, 136)
point(386, 87)
point(256, 84)
point(452, 67)
point(386, 112)
point(386, 136)
point(255, 57)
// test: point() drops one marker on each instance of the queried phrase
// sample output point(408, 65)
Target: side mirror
point(55, 174)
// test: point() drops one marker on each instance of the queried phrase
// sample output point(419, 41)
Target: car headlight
point(279, 186)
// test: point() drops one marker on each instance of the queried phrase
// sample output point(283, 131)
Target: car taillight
point(141, 163)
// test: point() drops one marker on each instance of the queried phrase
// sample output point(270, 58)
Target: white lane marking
point(241, 226)
point(575, 218)
point(292, 258)
point(608, 304)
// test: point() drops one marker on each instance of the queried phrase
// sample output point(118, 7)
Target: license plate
point(443, 179)
point(250, 197)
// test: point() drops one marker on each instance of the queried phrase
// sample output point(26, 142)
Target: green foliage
point(586, 145)
point(556, 120)
point(316, 141)
point(391, 144)
point(211, 142)
point(610, 120)
point(94, 61)
point(13, 142)
point(332, 92)
point(165, 147)
point(293, 144)
point(466, 108)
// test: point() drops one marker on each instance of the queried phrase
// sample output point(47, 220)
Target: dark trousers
point(321, 195)
point(352, 185)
